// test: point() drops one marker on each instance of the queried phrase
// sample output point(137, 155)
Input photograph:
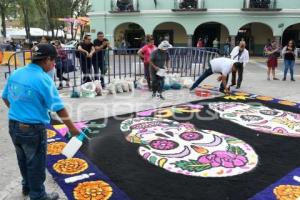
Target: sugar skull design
point(259, 118)
point(181, 148)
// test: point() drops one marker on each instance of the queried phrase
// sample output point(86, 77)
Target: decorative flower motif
point(50, 133)
point(242, 94)
point(70, 166)
point(264, 98)
point(287, 192)
point(190, 136)
point(55, 148)
point(288, 103)
point(235, 97)
point(163, 144)
point(63, 130)
point(93, 190)
point(223, 159)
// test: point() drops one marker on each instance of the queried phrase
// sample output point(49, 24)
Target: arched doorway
point(173, 32)
point(133, 34)
point(291, 33)
point(256, 36)
point(209, 32)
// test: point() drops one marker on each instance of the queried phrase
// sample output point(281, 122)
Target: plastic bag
point(111, 88)
point(88, 90)
point(187, 83)
point(98, 89)
point(125, 86)
point(142, 84)
point(119, 88)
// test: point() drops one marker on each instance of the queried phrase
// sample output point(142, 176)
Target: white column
point(232, 41)
point(190, 40)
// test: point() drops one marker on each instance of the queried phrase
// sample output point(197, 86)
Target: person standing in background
point(158, 59)
point(216, 43)
point(101, 44)
point(273, 52)
point(144, 54)
point(200, 43)
point(61, 63)
point(227, 47)
point(289, 54)
point(86, 49)
point(241, 56)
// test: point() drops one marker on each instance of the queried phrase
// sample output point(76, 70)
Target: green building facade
point(183, 22)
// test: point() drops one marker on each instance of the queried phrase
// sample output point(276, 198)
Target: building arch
point(173, 31)
point(208, 31)
point(291, 32)
point(256, 35)
point(132, 33)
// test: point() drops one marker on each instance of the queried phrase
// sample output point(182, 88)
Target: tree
point(4, 6)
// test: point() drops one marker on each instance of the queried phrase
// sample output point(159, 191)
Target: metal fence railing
point(119, 64)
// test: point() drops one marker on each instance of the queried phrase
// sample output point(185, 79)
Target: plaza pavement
point(255, 81)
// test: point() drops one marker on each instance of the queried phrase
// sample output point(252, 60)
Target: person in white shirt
point(241, 55)
point(223, 66)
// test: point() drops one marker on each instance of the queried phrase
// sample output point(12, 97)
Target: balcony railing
point(124, 6)
point(260, 5)
point(189, 5)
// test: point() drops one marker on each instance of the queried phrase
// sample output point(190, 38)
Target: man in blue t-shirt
point(30, 94)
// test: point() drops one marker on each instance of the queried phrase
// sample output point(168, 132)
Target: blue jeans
point(30, 143)
point(289, 65)
point(208, 72)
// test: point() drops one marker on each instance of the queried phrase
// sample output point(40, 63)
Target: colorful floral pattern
point(223, 158)
point(55, 148)
point(171, 111)
point(162, 144)
point(93, 190)
point(260, 118)
point(190, 136)
point(180, 148)
point(63, 129)
point(50, 133)
point(70, 166)
point(287, 192)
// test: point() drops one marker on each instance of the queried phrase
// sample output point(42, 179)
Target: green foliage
point(236, 150)
point(192, 165)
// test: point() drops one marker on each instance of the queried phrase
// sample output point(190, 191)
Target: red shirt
point(146, 51)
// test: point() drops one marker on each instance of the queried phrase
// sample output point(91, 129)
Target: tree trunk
point(3, 23)
point(26, 22)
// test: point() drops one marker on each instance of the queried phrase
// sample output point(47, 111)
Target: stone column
point(277, 40)
point(232, 41)
point(190, 40)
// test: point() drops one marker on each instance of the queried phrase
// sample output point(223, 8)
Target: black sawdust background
point(119, 160)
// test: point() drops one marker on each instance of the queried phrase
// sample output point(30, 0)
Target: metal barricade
point(118, 64)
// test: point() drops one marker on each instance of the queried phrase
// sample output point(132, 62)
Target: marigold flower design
point(55, 148)
point(93, 190)
point(50, 133)
point(70, 166)
point(287, 192)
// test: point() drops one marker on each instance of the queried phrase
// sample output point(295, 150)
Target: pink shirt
point(146, 51)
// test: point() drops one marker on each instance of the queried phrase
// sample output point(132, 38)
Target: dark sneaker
point(25, 192)
point(238, 87)
point(275, 79)
point(161, 97)
point(153, 95)
point(293, 80)
point(60, 87)
point(284, 79)
point(52, 196)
